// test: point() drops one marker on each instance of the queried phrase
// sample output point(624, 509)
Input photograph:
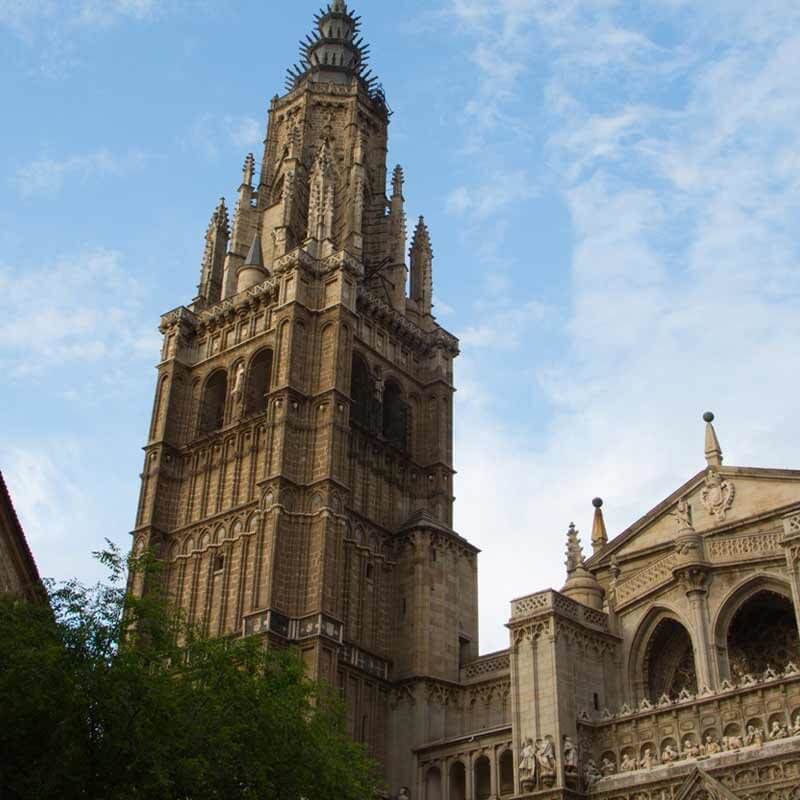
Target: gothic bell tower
point(298, 476)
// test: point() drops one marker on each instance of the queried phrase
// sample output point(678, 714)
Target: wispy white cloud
point(685, 273)
point(23, 16)
point(210, 134)
point(80, 310)
point(47, 175)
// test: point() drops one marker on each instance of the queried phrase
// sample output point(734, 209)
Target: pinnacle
point(398, 178)
point(713, 451)
point(422, 238)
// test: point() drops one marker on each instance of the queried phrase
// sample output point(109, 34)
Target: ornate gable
point(701, 786)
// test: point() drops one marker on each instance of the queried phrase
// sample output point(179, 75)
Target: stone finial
point(581, 584)
point(398, 178)
point(248, 170)
point(421, 256)
point(599, 534)
point(338, 7)
point(219, 219)
point(574, 549)
point(713, 450)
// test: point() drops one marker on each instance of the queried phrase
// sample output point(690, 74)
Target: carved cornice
point(424, 342)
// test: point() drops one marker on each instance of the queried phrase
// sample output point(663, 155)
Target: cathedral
point(298, 486)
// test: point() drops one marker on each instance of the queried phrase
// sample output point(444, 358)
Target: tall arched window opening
point(259, 382)
point(212, 415)
point(762, 635)
point(433, 784)
point(669, 661)
point(483, 778)
point(506, 765)
point(395, 415)
point(361, 393)
point(458, 781)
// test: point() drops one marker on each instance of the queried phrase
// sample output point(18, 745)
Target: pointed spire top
point(255, 257)
point(335, 53)
point(713, 450)
point(219, 219)
point(398, 179)
point(248, 169)
point(574, 549)
point(599, 534)
point(422, 237)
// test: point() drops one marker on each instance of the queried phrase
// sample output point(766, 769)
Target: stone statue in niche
point(669, 754)
point(628, 763)
point(607, 766)
point(570, 755)
point(711, 745)
point(527, 764)
point(778, 731)
point(591, 773)
point(717, 495)
point(796, 725)
point(546, 761)
point(238, 382)
point(404, 795)
point(648, 760)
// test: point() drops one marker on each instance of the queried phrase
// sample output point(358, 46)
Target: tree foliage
point(107, 696)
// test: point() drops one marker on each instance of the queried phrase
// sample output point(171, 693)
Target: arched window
point(668, 664)
point(212, 413)
point(507, 773)
point(762, 635)
point(433, 784)
point(483, 778)
point(361, 393)
point(395, 415)
point(258, 382)
point(458, 781)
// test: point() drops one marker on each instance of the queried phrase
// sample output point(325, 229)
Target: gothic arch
point(761, 608)
point(458, 781)
point(395, 414)
point(433, 784)
point(361, 393)
point(259, 381)
point(215, 395)
point(662, 631)
point(483, 778)
point(505, 766)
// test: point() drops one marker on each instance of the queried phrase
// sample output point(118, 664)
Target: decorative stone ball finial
point(597, 502)
point(713, 451)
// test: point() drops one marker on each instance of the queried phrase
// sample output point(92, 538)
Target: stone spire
point(216, 246)
point(713, 450)
point(581, 585)
point(252, 272)
point(422, 268)
point(574, 550)
point(334, 52)
point(599, 535)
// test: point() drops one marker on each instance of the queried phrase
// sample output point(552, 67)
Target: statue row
point(691, 750)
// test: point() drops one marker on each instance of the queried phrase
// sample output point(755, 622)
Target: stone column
point(493, 773)
point(469, 782)
point(791, 545)
point(445, 767)
point(694, 581)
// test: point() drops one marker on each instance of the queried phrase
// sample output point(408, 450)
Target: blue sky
point(613, 193)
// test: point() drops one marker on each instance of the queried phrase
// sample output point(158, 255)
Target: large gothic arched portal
point(762, 635)
point(669, 661)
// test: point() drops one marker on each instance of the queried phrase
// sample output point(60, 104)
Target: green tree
point(107, 696)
